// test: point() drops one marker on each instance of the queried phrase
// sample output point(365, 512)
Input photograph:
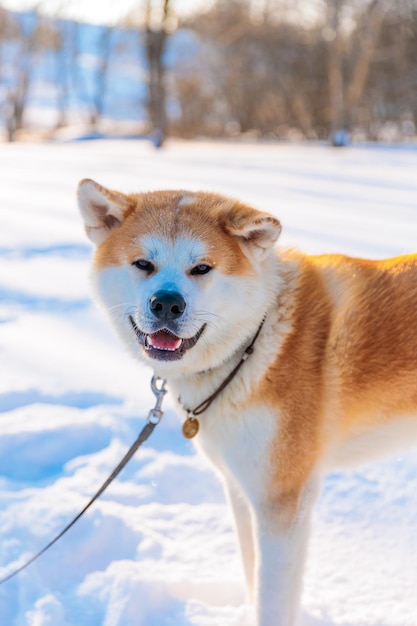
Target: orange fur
point(204, 218)
point(348, 364)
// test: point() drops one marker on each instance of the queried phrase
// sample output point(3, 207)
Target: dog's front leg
point(282, 529)
point(244, 530)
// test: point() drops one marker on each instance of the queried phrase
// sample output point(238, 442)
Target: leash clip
point(159, 390)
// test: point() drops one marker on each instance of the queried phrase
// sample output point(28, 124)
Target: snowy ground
point(158, 549)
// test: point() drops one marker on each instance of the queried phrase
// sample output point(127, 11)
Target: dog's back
point(371, 355)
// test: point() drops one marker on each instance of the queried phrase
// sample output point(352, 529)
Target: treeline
point(56, 72)
point(276, 69)
point(280, 72)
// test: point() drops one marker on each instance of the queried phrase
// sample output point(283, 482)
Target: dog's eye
point(145, 266)
point(202, 268)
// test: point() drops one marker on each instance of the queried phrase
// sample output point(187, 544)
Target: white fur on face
point(229, 306)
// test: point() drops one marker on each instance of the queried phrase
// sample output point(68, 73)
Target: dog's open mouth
point(164, 344)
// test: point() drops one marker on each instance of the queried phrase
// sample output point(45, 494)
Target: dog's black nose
point(167, 305)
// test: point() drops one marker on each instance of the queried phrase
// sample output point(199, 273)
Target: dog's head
point(184, 276)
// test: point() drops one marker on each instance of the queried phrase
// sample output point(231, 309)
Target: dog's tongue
point(164, 340)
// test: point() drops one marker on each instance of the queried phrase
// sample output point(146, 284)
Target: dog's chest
point(238, 440)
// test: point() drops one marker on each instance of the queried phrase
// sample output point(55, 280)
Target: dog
point(285, 365)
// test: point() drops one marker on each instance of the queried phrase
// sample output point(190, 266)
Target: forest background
point(266, 69)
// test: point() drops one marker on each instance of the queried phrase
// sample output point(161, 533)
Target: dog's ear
point(102, 209)
point(257, 231)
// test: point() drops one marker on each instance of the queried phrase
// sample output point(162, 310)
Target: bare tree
point(155, 23)
point(350, 57)
point(265, 78)
point(28, 41)
point(101, 74)
point(87, 75)
point(336, 86)
point(9, 31)
point(391, 92)
point(155, 41)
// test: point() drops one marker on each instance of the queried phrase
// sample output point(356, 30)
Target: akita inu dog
point(319, 355)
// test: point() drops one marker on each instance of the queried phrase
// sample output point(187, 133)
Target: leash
point(153, 419)
point(189, 430)
point(191, 425)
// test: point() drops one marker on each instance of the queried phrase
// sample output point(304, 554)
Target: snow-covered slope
point(158, 549)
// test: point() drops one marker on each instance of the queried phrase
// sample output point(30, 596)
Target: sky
point(99, 11)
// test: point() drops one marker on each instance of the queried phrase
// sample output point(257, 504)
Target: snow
point(158, 548)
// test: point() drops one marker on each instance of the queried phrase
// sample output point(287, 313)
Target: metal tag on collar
point(190, 427)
